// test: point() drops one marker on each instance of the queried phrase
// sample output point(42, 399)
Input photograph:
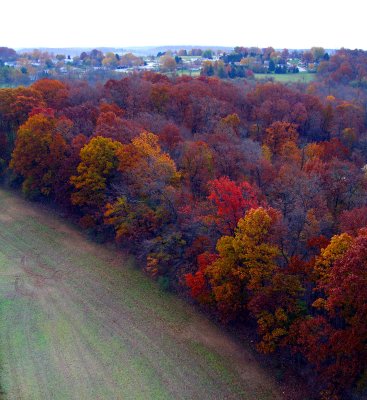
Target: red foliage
point(335, 341)
point(353, 220)
point(47, 112)
point(197, 184)
point(318, 242)
point(197, 282)
point(231, 201)
point(54, 92)
point(170, 137)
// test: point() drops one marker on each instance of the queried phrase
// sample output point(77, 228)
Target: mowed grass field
point(188, 72)
point(78, 321)
point(304, 77)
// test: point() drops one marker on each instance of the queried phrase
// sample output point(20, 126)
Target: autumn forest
point(248, 198)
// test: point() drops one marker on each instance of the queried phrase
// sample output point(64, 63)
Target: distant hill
point(72, 51)
point(138, 50)
point(152, 50)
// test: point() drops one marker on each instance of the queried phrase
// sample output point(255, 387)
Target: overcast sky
point(121, 23)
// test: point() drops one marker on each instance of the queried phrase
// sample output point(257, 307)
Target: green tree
point(271, 66)
point(208, 54)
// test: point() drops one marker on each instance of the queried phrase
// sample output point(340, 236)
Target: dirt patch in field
point(6, 218)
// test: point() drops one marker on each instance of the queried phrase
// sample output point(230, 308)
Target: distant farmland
point(77, 321)
point(305, 77)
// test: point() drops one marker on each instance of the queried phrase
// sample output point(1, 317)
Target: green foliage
point(163, 282)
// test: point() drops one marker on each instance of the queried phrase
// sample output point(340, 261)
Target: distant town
point(24, 66)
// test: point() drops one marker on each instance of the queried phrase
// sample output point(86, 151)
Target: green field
point(304, 77)
point(78, 321)
point(184, 71)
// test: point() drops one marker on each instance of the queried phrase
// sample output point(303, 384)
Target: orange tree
point(38, 155)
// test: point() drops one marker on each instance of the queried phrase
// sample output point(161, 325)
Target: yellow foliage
point(313, 150)
point(266, 152)
point(151, 267)
point(290, 153)
point(146, 164)
point(280, 315)
point(338, 246)
point(257, 256)
point(319, 303)
point(349, 136)
point(246, 260)
point(271, 332)
point(115, 215)
point(98, 160)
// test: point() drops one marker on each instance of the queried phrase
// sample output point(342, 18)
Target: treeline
point(250, 199)
point(243, 70)
point(243, 62)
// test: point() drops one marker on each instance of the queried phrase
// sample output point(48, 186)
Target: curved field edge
point(78, 321)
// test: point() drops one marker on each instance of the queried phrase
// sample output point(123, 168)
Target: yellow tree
point(98, 163)
point(324, 263)
point(245, 278)
point(146, 204)
point(145, 166)
point(245, 264)
point(147, 176)
point(278, 134)
point(256, 253)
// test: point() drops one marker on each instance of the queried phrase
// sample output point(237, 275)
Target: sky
point(120, 23)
